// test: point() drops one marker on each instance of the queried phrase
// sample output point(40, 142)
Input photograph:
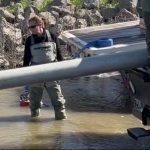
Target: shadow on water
point(81, 140)
point(39, 138)
point(101, 93)
point(22, 118)
point(91, 141)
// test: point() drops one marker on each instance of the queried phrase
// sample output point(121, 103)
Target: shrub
point(25, 3)
point(13, 9)
point(77, 3)
point(109, 3)
point(44, 5)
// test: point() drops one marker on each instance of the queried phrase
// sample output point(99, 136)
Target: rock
point(91, 4)
point(30, 11)
point(128, 4)
point(95, 17)
point(125, 15)
point(109, 13)
point(8, 16)
point(69, 22)
point(3, 63)
point(51, 20)
point(81, 13)
point(80, 23)
point(60, 3)
point(63, 11)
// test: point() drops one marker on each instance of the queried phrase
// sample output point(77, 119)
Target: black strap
point(49, 36)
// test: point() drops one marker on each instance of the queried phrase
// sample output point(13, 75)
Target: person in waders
point(41, 47)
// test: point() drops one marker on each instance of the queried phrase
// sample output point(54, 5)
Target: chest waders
point(42, 53)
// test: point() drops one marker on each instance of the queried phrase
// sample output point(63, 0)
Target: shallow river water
point(98, 110)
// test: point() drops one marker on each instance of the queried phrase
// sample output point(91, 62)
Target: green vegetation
point(25, 3)
point(44, 5)
point(77, 3)
point(13, 9)
point(109, 3)
point(105, 3)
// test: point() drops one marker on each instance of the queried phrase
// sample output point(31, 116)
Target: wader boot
point(36, 93)
point(60, 114)
point(35, 113)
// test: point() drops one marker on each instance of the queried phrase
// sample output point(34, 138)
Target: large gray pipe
point(105, 62)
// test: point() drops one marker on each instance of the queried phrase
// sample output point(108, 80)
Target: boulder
point(50, 19)
point(91, 4)
point(128, 4)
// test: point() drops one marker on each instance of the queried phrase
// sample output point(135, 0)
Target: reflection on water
point(97, 118)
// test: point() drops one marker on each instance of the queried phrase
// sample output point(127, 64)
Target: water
point(98, 112)
point(101, 93)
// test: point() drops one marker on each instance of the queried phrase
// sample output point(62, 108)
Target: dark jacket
point(39, 39)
